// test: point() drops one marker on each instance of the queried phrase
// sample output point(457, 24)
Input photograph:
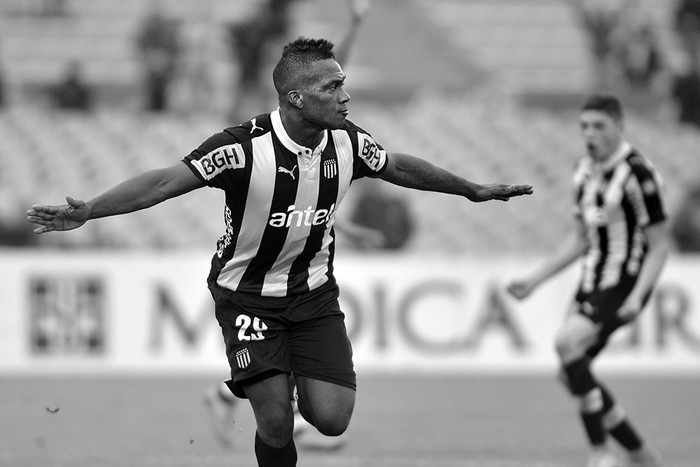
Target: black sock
point(626, 435)
point(269, 456)
point(623, 431)
point(583, 385)
point(593, 423)
point(579, 376)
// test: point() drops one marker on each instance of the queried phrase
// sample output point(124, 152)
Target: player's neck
point(300, 131)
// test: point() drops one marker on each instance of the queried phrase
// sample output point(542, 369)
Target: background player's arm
point(658, 244)
point(570, 250)
point(413, 172)
point(361, 235)
point(134, 194)
point(358, 12)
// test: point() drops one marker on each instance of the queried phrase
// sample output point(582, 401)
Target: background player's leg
point(576, 336)
point(619, 426)
point(325, 405)
point(269, 398)
point(221, 404)
point(616, 422)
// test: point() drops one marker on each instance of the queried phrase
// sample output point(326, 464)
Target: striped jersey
point(615, 200)
point(281, 200)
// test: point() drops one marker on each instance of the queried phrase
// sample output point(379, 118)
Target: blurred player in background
point(284, 174)
point(621, 236)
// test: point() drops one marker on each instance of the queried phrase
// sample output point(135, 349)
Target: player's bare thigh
point(327, 406)
point(576, 335)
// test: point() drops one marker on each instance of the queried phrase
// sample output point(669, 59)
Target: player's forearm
point(413, 172)
point(572, 249)
point(140, 192)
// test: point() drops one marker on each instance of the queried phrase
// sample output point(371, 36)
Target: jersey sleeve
point(370, 158)
point(648, 188)
point(217, 159)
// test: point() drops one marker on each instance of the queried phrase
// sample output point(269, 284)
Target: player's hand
point(501, 192)
point(65, 217)
point(520, 288)
point(629, 310)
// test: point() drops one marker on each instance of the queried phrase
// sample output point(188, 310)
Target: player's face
point(602, 134)
point(325, 98)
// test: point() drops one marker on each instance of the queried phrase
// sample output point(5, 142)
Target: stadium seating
point(533, 45)
point(47, 155)
point(484, 135)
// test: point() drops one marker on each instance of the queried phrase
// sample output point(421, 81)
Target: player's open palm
point(65, 217)
point(501, 192)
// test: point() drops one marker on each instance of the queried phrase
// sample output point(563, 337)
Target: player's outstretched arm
point(140, 192)
point(570, 250)
point(413, 172)
point(359, 10)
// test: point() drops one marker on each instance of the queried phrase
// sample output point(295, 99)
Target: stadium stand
point(534, 45)
point(488, 136)
point(46, 154)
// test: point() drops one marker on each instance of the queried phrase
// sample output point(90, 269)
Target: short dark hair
point(604, 103)
point(296, 57)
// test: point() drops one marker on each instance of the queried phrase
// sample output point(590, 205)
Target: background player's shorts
point(601, 306)
point(304, 335)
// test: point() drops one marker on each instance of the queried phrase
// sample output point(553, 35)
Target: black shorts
point(304, 335)
point(601, 307)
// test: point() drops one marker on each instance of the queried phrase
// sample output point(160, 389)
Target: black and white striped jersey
point(615, 200)
point(281, 200)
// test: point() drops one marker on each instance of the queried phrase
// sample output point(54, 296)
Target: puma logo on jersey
point(281, 169)
point(255, 126)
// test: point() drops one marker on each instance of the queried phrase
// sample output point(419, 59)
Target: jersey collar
point(288, 143)
point(619, 154)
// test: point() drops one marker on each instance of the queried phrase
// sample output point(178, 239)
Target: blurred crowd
point(177, 72)
point(176, 55)
point(629, 56)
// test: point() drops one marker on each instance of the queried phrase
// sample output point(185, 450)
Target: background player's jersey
point(615, 200)
point(281, 200)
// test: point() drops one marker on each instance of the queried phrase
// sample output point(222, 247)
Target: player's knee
point(568, 349)
point(275, 423)
point(332, 424)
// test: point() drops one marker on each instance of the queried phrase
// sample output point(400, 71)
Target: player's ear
point(296, 99)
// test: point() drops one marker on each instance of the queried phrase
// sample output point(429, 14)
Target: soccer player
point(221, 404)
point(621, 236)
point(284, 175)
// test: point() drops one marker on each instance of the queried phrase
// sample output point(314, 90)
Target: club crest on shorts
point(243, 358)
